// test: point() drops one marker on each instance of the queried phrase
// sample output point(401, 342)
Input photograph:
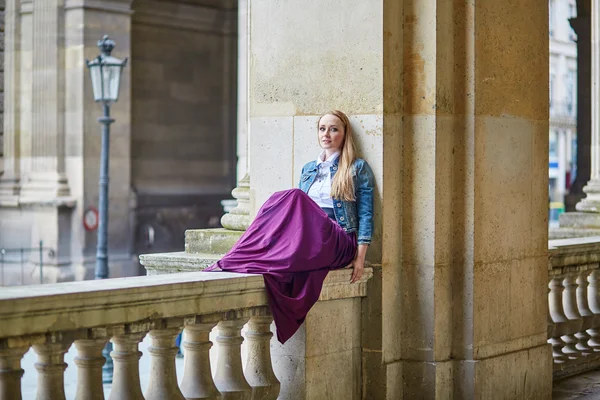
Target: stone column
point(197, 382)
point(51, 368)
point(89, 363)
point(47, 179)
point(11, 372)
point(240, 218)
point(455, 130)
point(163, 380)
point(229, 376)
point(581, 26)
point(10, 178)
point(126, 357)
point(592, 202)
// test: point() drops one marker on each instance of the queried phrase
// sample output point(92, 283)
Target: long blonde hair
point(342, 187)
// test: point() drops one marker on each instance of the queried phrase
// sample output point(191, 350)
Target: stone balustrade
point(574, 304)
point(51, 318)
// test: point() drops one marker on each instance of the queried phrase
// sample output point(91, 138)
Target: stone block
point(578, 219)
point(526, 374)
point(270, 148)
point(211, 241)
point(427, 380)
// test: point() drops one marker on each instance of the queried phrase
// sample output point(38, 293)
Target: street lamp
point(105, 72)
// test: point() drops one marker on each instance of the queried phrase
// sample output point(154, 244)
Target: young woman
point(299, 235)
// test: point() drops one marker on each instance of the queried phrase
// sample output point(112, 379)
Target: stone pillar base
point(519, 375)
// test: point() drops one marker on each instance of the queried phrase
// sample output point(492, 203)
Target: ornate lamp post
point(105, 72)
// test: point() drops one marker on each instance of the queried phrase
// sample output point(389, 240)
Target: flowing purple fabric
point(293, 244)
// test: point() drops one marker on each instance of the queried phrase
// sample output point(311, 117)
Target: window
point(551, 94)
point(570, 91)
point(551, 17)
point(572, 14)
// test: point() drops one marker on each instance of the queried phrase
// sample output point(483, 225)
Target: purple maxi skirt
point(293, 244)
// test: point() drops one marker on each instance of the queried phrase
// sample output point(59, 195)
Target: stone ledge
point(211, 241)
point(573, 252)
point(65, 307)
point(167, 263)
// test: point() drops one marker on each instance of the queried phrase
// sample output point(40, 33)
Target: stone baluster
point(89, 363)
point(11, 372)
point(126, 356)
point(229, 377)
point(559, 319)
point(197, 380)
point(575, 321)
point(259, 371)
point(163, 379)
point(587, 315)
point(594, 304)
point(51, 368)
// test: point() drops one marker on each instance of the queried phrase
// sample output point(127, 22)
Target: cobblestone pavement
point(581, 387)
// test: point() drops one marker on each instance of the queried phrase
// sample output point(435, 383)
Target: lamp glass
point(105, 73)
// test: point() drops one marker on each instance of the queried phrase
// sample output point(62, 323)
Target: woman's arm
point(364, 207)
point(358, 265)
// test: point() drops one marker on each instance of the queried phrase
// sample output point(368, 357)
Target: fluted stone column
point(10, 178)
point(592, 202)
point(229, 376)
point(51, 368)
point(47, 179)
point(163, 380)
point(11, 372)
point(197, 382)
point(89, 363)
point(240, 218)
point(126, 357)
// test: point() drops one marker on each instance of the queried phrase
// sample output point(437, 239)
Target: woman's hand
point(358, 268)
point(358, 264)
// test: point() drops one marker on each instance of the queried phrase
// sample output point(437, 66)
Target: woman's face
point(331, 133)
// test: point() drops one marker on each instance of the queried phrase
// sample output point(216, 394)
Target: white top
point(320, 191)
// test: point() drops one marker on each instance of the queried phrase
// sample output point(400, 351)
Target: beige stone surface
point(522, 383)
point(271, 146)
point(292, 74)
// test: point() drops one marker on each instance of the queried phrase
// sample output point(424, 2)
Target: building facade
point(173, 145)
point(562, 101)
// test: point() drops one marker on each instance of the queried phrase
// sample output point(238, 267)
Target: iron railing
point(19, 257)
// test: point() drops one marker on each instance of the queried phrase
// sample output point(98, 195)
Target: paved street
point(581, 387)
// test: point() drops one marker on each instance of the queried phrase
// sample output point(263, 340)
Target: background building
point(173, 145)
point(563, 102)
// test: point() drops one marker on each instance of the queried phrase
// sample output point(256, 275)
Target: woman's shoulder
point(360, 163)
point(309, 165)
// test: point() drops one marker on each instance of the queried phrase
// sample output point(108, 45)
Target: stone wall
point(1, 81)
point(183, 116)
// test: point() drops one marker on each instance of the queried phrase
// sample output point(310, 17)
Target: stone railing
point(574, 304)
point(51, 318)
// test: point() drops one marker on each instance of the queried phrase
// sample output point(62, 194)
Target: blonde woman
point(299, 235)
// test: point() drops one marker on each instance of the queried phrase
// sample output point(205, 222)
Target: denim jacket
point(353, 216)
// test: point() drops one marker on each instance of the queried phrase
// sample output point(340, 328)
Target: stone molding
point(112, 6)
point(73, 306)
point(184, 16)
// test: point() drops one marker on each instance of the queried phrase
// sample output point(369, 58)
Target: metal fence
point(23, 256)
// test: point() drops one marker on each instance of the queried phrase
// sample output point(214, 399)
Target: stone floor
point(581, 387)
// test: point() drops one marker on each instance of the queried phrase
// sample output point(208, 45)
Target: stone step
point(211, 241)
point(579, 220)
point(167, 263)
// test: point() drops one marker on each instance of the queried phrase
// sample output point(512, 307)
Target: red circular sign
point(90, 219)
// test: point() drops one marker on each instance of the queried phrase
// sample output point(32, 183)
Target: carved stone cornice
point(111, 6)
point(185, 16)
